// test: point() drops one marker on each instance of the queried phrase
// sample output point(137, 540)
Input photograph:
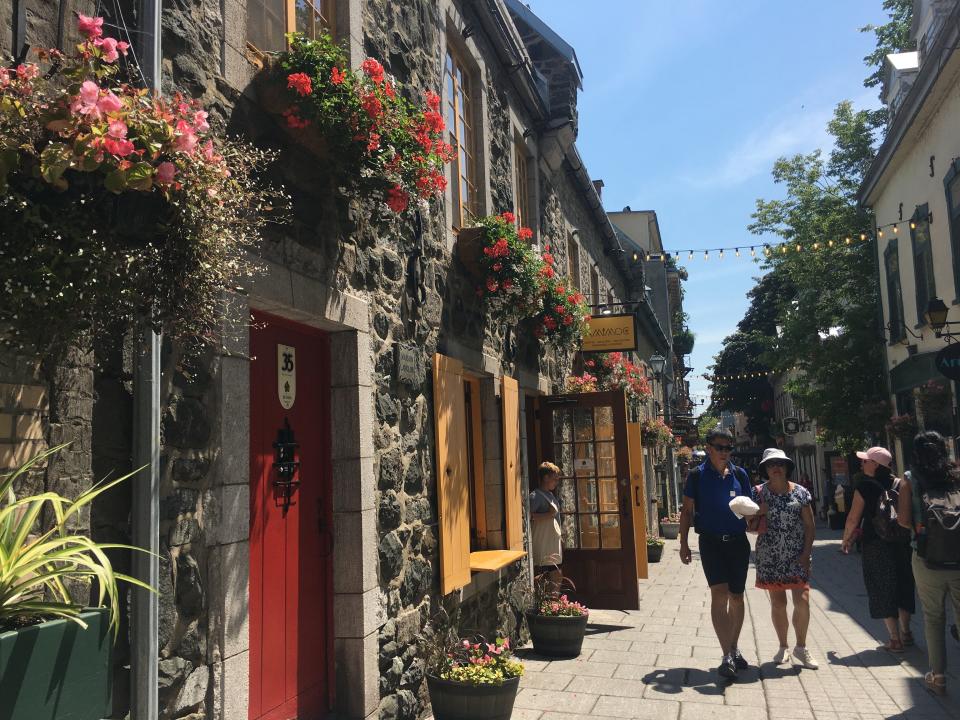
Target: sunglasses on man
point(722, 448)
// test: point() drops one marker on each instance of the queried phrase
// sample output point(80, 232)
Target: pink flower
point(166, 172)
point(109, 103)
point(92, 27)
point(4, 77)
point(200, 123)
point(28, 71)
point(117, 129)
point(208, 153)
point(89, 93)
point(109, 46)
point(187, 140)
point(120, 148)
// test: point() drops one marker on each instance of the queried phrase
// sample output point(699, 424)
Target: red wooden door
point(290, 538)
point(586, 436)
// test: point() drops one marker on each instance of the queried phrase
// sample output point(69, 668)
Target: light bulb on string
point(706, 254)
point(766, 250)
point(816, 246)
point(913, 225)
point(879, 232)
point(848, 241)
point(896, 229)
point(647, 257)
point(721, 253)
point(831, 243)
point(863, 236)
point(783, 249)
point(690, 256)
point(737, 250)
point(799, 247)
point(753, 253)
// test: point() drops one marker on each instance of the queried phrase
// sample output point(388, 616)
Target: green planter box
point(57, 670)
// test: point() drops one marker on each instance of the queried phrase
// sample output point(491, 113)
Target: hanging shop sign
point(791, 426)
point(948, 361)
point(608, 333)
point(287, 375)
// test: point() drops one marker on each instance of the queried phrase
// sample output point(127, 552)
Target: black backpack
point(884, 520)
point(938, 538)
point(693, 481)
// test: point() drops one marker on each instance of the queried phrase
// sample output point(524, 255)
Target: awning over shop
point(914, 371)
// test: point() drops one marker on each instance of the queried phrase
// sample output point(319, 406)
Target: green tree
point(892, 37)
point(829, 328)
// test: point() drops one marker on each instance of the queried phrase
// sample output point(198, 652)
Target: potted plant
point(656, 432)
point(55, 651)
point(670, 526)
point(557, 624)
point(654, 549)
point(468, 678)
point(502, 258)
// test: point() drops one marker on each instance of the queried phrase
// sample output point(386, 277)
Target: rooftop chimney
point(598, 186)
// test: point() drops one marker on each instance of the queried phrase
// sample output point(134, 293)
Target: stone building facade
point(339, 277)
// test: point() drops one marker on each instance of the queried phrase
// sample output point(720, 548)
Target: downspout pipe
point(145, 521)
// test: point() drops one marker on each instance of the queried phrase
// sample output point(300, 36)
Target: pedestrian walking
point(724, 549)
point(887, 573)
point(929, 504)
point(783, 553)
point(545, 516)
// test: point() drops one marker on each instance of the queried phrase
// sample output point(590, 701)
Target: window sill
point(493, 560)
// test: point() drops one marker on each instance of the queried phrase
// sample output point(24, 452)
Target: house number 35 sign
point(287, 375)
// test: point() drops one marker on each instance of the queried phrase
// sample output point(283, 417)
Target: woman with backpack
point(887, 574)
point(930, 506)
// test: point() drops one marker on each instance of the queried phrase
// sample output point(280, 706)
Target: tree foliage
point(892, 37)
point(825, 295)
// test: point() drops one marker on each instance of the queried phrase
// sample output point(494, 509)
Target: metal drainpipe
point(146, 451)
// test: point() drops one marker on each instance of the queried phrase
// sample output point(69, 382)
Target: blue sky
point(685, 107)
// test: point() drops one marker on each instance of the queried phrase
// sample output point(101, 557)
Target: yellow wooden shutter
point(638, 497)
point(452, 493)
point(513, 506)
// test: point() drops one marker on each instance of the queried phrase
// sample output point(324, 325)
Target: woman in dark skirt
point(887, 571)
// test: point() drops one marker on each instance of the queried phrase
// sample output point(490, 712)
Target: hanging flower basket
point(612, 371)
point(656, 432)
point(116, 203)
point(508, 268)
point(376, 140)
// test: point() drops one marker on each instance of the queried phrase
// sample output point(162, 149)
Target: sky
point(687, 104)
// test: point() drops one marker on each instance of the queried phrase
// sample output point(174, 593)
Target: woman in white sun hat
point(783, 552)
point(887, 573)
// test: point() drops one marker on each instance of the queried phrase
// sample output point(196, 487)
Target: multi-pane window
point(891, 262)
point(922, 260)
point(573, 262)
point(594, 286)
point(269, 20)
point(461, 116)
point(521, 182)
point(951, 184)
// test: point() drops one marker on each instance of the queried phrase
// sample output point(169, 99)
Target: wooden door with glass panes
point(586, 436)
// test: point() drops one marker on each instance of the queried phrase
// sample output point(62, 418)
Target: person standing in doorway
point(784, 553)
point(545, 517)
point(887, 573)
point(724, 549)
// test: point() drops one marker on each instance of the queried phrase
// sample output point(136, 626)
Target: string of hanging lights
point(783, 248)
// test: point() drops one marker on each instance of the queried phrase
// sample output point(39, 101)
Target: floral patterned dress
point(779, 548)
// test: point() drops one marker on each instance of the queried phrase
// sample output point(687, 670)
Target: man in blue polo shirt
point(724, 549)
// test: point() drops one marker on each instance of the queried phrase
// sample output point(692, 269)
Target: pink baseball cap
point(879, 455)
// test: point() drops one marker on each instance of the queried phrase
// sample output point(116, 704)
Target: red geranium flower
point(336, 77)
point(492, 284)
point(509, 217)
point(300, 82)
point(525, 233)
point(433, 100)
point(397, 199)
point(373, 69)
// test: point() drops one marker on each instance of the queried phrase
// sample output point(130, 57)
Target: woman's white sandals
point(802, 656)
point(782, 657)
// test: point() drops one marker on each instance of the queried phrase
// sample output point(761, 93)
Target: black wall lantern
point(936, 315)
point(286, 466)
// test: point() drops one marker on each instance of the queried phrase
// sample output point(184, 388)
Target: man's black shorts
point(725, 559)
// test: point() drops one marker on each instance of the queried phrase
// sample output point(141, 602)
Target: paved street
point(659, 661)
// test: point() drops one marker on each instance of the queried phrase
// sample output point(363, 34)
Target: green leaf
point(116, 181)
point(140, 176)
point(54, 161)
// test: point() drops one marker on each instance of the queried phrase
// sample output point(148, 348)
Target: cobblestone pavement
point(659, 661)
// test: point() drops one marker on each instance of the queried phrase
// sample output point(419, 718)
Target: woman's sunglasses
point(775, 463)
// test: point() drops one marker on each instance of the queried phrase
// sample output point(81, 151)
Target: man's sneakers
point(802, 656)
point(739, 660)
point(782, 657)
point(728, 668)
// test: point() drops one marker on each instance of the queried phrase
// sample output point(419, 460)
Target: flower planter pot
point(57, 670)
point(561, 636)
point(671, 530)
point(460, 701)
point(654, 553)
point(274, 97)
point(470, 250)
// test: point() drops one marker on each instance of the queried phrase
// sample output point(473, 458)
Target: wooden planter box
point(461, 701)
point(57, 670)
point(561, 636)
point(654, 553)
point(273, 97)
point(469, 249)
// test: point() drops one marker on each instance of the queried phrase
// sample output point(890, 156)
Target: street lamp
point(657, 362)
point(936, 314)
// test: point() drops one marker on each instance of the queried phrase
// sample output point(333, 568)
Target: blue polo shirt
point(716, 491)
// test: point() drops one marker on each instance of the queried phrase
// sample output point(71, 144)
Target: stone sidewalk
point(659, 661)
